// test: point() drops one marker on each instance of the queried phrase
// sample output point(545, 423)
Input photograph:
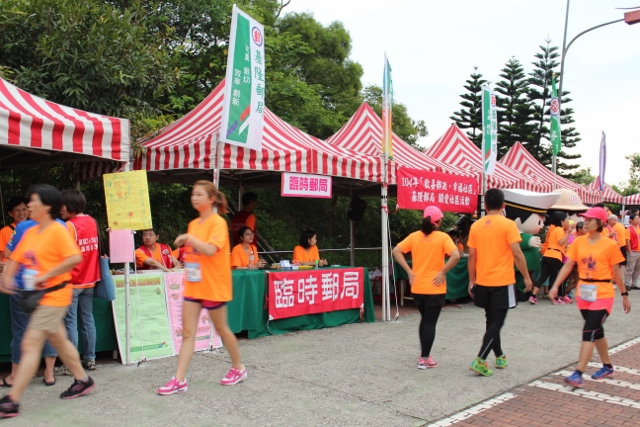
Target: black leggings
point(491, 340)
point(429, 318)
point(550, 269)
point(593, 321)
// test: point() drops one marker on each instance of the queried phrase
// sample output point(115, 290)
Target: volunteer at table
point(244, 255)
point(306, 253)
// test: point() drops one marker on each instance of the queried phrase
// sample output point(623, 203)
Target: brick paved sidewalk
point(547, 401)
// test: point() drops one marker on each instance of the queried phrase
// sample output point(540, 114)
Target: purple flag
point(603, 161)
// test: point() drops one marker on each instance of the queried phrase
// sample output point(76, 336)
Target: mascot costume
point(527, 210)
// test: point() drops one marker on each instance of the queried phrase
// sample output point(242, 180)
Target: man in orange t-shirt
point(494, 246)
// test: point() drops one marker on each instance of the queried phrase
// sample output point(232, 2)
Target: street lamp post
point(565, 48)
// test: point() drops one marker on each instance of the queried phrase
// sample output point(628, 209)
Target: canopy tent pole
point(127, 302)
point(386, 307)
point(215, 140)
point(352, 236)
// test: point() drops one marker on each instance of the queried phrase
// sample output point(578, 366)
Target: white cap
point(530, 201)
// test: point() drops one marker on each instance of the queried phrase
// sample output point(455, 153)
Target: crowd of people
point(584, 257)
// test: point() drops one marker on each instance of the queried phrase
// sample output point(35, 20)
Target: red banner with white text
point(418, 189)
point(296, 293)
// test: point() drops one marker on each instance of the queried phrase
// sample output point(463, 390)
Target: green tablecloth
point(457, 278)
point(106, 335)
point(248, 312)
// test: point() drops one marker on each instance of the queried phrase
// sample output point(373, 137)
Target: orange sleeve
point(236, 256)
point(219, 234)
point(141, 257)
point(72, 230)
point(5, 236)
point(298, 253)
point(449, 246)
point(627, 236)
point(405, 245)
point(314, 254)
point(251, 222)
point(175, 253)
point(572, 252)
point(513, 234)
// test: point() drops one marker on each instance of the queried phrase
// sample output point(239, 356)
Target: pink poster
point(173, 283)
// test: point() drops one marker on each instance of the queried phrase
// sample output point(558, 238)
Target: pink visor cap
point(434, 212)
point(597, 213)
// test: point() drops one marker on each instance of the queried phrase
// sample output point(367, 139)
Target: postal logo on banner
point(244, 89)
point(418, 189)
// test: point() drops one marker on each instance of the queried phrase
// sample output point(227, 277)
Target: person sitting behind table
point(241, 252)
point(306, 253)
point(17, 210)
point(153, 254)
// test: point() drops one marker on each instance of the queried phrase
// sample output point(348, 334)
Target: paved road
point(365, 375)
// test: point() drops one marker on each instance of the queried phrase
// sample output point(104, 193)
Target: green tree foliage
point(405, 127)
point(540, 95)
point(583, 176)
point(85, 54)
point(514, 109)
point(470, 115)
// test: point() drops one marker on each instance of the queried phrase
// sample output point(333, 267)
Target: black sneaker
point(8, 408)
point(89, 365)
point(78, 388)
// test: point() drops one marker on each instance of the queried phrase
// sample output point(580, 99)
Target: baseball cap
point(434, 212)
point(597, 213)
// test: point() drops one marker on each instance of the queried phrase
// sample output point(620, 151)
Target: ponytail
point(427, 226)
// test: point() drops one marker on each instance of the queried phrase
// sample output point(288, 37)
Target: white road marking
point(624, 346)
point(601, 397)
point(611, 381)
point(474, 410)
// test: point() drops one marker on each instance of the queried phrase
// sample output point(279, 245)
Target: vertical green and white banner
point(555, 135)
point(489, 130)
point(244, 91)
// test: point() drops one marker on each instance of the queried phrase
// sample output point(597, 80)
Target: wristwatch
point(624, 294)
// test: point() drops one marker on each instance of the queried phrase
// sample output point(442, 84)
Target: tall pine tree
point(470, 115)
point(539, 94)
point(515, 111)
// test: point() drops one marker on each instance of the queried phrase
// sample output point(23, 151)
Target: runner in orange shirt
point(632, 240)
point(207, 283)
point(552, 257)
point(427, 278)
point(598, 260)
point(48, 254)
point(494, 246)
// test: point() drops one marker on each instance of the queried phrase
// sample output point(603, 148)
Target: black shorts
point(495, 297)
point(430, 300)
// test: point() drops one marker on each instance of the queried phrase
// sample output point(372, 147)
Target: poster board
point(149, 323)
point(127, 199)
point(174, 286)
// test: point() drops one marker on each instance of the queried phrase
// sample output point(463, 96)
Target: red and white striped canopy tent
point(632, 200)
point(31, 125)
point(189, 143)
point(521, 160)
point(608, 195)
point(455, 148)
point(363, 133)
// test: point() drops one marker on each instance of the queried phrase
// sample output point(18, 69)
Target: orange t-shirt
point(594, 263)
point(620, 232)
point(213, 272)
point(43, 250)
point(141, 257)
point(239, 258)
point(545, 244)
point(492, 236)
point(5, 236)
point(554, 248)
point(301, 254)
point(427, 253)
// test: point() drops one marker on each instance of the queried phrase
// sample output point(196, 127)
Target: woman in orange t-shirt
point(428, 247)
point(242, 252)
point(48, 254)
point(207, 283)
point(306, 253)
point(552, 257)
point(598, 260)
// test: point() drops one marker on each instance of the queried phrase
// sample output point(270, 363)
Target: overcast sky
point(433, 46)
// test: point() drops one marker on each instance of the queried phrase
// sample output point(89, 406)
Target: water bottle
point(251, 261)
point(316, 264)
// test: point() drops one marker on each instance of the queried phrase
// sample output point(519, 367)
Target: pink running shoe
point(427, 363)
point(558, 301)
point(567, 299)
point(533, 300)
point(234, 376)
point(172, 387)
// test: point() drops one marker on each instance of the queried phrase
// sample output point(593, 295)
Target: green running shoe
point(480, 367)
point(501, 362)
